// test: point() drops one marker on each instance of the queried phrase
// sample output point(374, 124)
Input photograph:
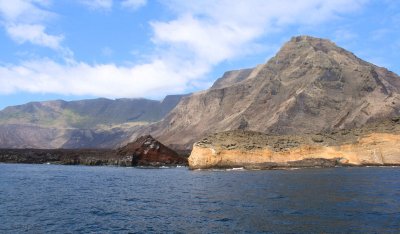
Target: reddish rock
point(146, 151)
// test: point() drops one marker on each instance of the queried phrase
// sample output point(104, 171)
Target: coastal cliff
point(373, 144)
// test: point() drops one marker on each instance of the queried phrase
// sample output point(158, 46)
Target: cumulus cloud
point(24, 22)
point(215, 31)
point(33, 33)
point(24, 11)
point(202, 35)
point(107, 80)
point(133, 4)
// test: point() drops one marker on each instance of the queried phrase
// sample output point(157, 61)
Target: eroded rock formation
point(373, 144)
point(146, 151)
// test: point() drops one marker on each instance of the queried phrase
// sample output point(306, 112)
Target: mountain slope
point(311, 85)
point(88, 113)
point(96, 123)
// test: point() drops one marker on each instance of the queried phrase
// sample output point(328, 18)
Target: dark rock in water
point(90, 157)
point(146, 151)
point(315, 162)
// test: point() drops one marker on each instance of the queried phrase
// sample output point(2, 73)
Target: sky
point(80, 49)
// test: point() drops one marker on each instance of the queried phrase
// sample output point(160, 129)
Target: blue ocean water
point(81, 199)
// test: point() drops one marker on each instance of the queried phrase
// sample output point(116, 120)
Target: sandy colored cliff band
point(224, 150)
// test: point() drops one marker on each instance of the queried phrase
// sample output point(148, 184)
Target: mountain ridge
point(91, 123)
point(310, 85)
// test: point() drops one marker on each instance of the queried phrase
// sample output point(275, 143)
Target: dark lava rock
point(315, 162)
point(61, 156)
point(146, 151)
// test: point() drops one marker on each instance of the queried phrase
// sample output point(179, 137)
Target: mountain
point(310, 85)
point(95, 123)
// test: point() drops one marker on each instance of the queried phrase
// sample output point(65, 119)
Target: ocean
point(83, 199)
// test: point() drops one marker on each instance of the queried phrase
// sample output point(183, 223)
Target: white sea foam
point(293, 168)
point(236, 169)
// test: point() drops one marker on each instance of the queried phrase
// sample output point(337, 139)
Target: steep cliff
point(373, 144)
point(310, 85)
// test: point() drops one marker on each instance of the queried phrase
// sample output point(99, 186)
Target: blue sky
point(76, 49)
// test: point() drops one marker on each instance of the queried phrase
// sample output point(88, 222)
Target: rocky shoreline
point(92, 157)
point(145, 151)
point(375, 144)
point(89, 157)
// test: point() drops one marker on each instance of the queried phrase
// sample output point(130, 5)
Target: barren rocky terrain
point(311, 85)
point(95, 123)
point(376, 143)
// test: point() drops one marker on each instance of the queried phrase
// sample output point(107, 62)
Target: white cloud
point(24, 11)
point(202, 35)
point(133, 4)
point(98, 4)
point(215, 31)
point(33, 33)
point(24, 22)
point(107, 80)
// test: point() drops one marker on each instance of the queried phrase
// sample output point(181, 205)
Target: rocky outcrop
point(310, 85)
point(146, 151)
point(231, 77)
point(90, 157)
point(373, 144)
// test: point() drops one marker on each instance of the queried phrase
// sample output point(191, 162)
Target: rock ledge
point(374, 144)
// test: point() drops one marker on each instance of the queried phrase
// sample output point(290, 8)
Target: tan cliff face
point(311, 85)
point(368, 146)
